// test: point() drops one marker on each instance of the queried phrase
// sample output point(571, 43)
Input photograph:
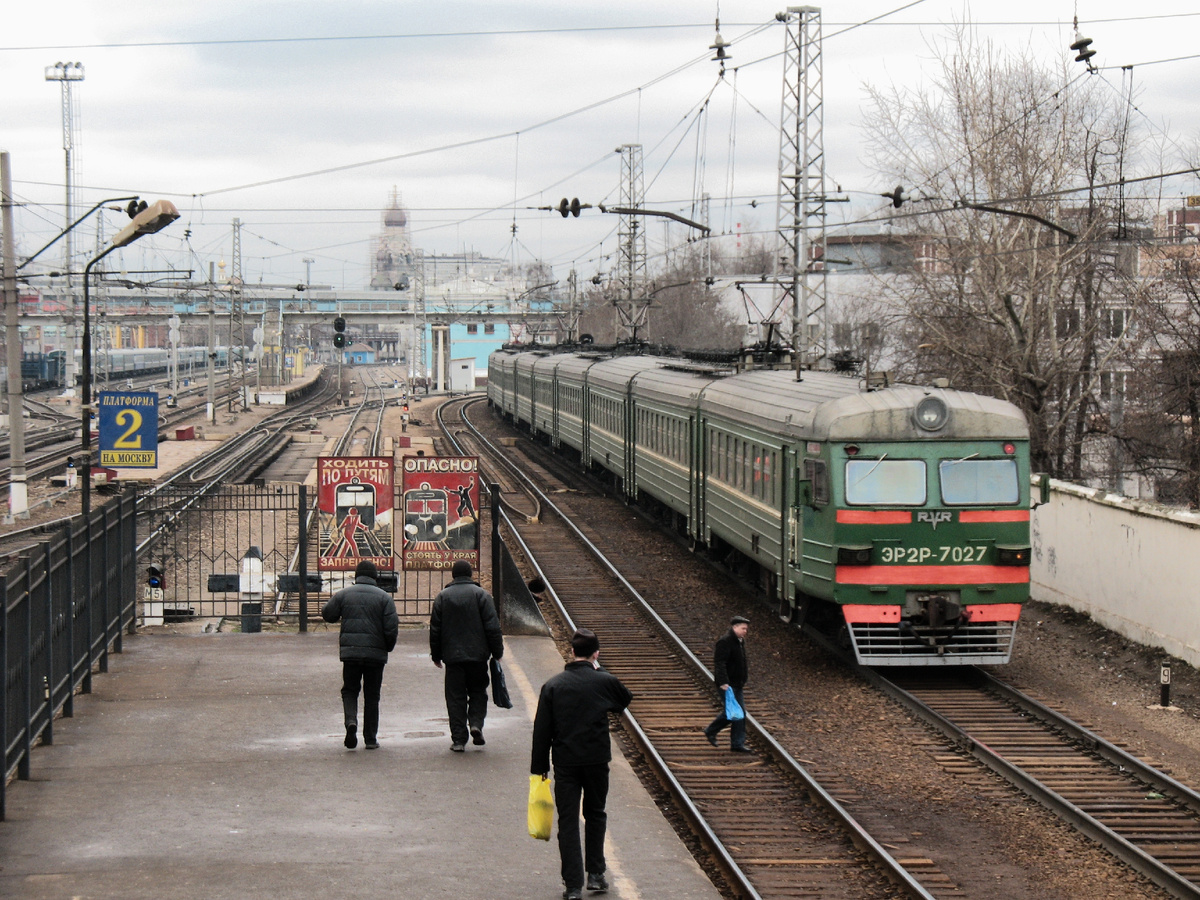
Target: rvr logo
point(934, 518)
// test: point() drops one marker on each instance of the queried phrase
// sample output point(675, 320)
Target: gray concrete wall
point(1133, 566)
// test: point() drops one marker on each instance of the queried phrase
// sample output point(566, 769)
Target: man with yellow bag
point(572, 724)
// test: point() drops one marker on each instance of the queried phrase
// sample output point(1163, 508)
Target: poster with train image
point(355, 499)
point(441, 511)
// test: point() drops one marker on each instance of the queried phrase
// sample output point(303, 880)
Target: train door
point(629, 439)
point(795, 488)
point(694, 470)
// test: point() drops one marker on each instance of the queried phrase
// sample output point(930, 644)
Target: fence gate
point(223, 548)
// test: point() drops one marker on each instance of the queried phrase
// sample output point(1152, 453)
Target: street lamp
point(149, 220)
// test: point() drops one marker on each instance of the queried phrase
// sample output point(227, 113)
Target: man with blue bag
point(730, 671)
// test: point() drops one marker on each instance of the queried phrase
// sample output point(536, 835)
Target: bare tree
point(1008, 300)
point(1158, 426)
point(686, 312)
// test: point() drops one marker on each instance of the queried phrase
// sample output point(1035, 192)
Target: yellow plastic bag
point(541, 808)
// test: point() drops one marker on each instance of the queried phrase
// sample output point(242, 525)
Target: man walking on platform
point(464, 631)
point(368, 634)
point(731, 669)
point(572, 723)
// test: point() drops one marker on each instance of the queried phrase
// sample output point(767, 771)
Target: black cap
point(461, 569)
point(739, 620)
point(366, 567)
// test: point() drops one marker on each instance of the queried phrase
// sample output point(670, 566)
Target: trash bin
point(252, 618)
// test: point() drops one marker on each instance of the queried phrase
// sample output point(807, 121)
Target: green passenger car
point(898, 518)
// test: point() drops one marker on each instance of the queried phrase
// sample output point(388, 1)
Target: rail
point(691, 809)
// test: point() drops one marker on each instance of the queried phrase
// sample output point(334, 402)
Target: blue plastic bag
point(733, 709)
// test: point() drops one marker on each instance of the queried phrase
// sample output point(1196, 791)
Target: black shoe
point(351, 738)
point(573, 894)
point(457, 747)
point(711, 738)
point(597, 883)
point(370, 743)
point(740, 750)
point(477, 737)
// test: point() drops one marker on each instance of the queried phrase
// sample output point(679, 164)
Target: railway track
point(1141, 815)
point(771, 828)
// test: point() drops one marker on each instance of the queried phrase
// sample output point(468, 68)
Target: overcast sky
point(300, 117)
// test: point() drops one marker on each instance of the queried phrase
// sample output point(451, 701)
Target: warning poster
point(441, 511)
point(355, 502)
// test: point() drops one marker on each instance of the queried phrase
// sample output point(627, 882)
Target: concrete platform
point(212, 766)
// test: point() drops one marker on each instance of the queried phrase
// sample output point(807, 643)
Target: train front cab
point(922, 545)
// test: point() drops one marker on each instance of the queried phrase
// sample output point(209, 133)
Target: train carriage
point(523, 386)
point(665, 416)
point(921, 532)
point(610, 416)
point(899, 517)
point(502, 382)
point(544, 414)
point(571, 380)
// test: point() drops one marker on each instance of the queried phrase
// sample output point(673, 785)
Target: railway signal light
point(339, 332)
point(154, 578)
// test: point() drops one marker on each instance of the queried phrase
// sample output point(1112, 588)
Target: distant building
point(360, 354)
point(392, 256)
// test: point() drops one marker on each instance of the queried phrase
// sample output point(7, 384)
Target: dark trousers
point(371, 677)
point(590, 783)
point(466, 697)
point(737, 727)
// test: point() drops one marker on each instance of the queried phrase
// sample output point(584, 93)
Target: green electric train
point(897, 518)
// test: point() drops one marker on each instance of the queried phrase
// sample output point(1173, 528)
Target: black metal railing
point(66, 604)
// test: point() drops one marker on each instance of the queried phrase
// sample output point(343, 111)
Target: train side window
point(816, 471)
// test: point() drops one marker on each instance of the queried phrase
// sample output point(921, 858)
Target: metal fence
point(66, 603)
point(224, 547)
point(222, 553)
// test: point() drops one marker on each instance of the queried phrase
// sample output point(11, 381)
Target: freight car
point(897, 518)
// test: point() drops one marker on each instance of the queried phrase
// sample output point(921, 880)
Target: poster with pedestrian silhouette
point(355, 503)
point(441, 511)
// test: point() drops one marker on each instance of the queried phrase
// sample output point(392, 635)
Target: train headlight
point(931, 414)
point(1012, 556)
point(853, 556)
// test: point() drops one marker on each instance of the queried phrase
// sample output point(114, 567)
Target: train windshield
point(885, 482)
point(968, 482)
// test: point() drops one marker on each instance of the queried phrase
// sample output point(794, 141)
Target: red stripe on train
point(932, 575)
point(994, 515)
point(874, 516)
point(890, 613)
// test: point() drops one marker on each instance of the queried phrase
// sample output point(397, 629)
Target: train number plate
point(942, 554)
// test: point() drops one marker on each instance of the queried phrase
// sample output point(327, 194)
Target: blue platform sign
point(129, 429)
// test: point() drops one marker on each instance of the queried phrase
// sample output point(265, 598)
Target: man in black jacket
point(463, 632)
point(572, 723)
point(368, 634)
point(730, 671)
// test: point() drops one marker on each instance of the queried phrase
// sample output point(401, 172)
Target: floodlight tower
point(66, 74)
point(800, 214)
point(632, 304)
